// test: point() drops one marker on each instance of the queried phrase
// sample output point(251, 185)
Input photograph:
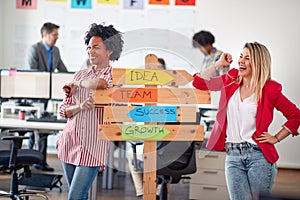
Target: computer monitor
point(22, 84)
point(58, 80)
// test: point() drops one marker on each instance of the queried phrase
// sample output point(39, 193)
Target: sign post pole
point(150, 146)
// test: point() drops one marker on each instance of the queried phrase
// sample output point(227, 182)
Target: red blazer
point(272, 97)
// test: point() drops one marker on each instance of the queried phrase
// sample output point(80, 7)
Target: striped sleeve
point(67, 100)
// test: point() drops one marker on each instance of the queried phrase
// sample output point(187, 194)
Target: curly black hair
point(112, 38)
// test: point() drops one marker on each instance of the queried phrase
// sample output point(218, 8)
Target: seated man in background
point(137, 175)
point(45, 56)
point(174, 154)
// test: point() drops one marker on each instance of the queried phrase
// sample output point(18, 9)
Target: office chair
point(175, 160)
point(14, 160)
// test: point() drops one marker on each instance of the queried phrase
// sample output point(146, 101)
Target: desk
point(22, 127)
point(6, 107)
point(51, 128)
point(31, 126)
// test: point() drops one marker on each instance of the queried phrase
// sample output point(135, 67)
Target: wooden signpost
point(150, 113)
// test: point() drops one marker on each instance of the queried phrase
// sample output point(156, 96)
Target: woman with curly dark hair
point(78, 147)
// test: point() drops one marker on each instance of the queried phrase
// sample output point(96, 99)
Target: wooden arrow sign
point(142, 132)
point(150, 114)
point(154, 114)
point(151, 77)
point(152, 95)
point(141, 95)
point(175, 132)
point(147, 77)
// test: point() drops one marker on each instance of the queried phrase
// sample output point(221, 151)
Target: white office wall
point(23, 26)
point(233, 22)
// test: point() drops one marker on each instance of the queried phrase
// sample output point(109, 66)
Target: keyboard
point(47, 119)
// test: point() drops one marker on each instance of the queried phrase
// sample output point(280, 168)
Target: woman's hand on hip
point(267, 137)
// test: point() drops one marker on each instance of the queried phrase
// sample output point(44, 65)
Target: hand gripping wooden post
point(150, 114)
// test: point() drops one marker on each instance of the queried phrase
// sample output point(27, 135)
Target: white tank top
point(241, 118)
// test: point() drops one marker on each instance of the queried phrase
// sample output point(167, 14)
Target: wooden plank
point(183, 96)
point(151, 76)
point(177, 132)
point(120, 113)
point(152, 95)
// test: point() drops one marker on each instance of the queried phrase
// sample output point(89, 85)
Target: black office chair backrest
point(4, 144)
point(16, 158)
point(176, 159)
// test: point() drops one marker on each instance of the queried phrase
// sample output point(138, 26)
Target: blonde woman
point(247, 102)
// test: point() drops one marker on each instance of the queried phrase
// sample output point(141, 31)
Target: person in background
point(44, 56)
point(204, 40)
point(248, 99)
point(137, 176)
point(161, 63)
point(81, 153)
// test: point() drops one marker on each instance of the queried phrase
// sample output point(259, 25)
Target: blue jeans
point(79, 180)
point(248, 173)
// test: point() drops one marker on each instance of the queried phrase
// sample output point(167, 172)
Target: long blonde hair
point(260, 60)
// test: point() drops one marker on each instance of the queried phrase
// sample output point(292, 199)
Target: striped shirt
point(78, 144)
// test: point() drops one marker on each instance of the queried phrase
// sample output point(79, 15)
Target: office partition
point(25, 84)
